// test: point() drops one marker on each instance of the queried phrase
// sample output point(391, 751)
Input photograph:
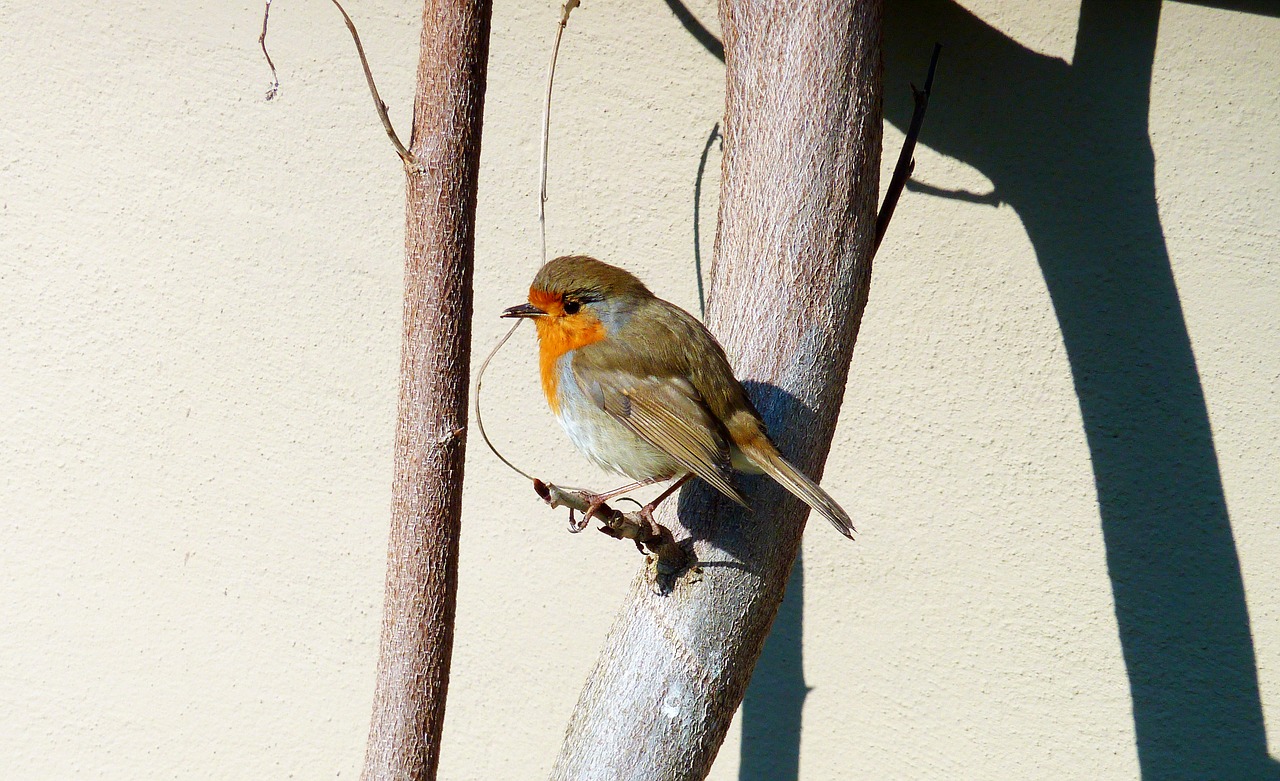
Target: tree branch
point(796, 233)
point(422, 558)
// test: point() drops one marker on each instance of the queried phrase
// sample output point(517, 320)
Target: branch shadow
point(1067, 146)
point(773, 708)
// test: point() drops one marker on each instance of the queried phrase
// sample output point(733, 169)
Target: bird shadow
point(1067, 147)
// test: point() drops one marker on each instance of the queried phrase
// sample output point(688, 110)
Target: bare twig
point(672, 559)
point(480, 418)
point(906, 162)
point(262, 41)
point(565, 10)
point(405, 155)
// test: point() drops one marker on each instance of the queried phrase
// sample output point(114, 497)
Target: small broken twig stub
point(906, 162)
point(672, 559)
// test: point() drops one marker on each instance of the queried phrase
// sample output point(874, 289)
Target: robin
point(642, 388)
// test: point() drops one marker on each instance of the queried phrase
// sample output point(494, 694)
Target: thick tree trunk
point(422, 560)
point(797, 222)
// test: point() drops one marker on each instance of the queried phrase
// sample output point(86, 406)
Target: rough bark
point(422, 560)
point(797, 222)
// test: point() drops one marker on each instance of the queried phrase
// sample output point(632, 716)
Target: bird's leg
point(646, 512)
point(596, 501)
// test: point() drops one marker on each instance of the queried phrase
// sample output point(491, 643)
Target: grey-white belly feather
point(604, 440)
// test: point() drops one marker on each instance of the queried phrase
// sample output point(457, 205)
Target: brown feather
point(666, 413)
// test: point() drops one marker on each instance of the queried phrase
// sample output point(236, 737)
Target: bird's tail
point(767, 458)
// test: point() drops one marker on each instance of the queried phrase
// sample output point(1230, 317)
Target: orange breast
point(558, 335)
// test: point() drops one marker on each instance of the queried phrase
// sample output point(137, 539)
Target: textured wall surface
point(1058, 440)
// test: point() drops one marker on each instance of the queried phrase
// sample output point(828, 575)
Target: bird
point(643, 389)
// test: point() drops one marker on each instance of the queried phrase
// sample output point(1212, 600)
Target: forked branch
point(405, 155)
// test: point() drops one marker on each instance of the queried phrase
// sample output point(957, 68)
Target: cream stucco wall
point(199, 336)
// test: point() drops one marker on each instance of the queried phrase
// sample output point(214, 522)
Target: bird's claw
point(594, 502)
point(575, 525)
point(590, 513)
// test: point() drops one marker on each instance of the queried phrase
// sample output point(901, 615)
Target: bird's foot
point(574, 525)
point(594, 502)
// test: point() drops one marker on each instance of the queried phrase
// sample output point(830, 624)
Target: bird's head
point(576, 300)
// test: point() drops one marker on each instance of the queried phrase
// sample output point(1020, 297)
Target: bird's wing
point(668, 413)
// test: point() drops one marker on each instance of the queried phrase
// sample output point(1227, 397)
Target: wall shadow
point(1067, 146)
point(773, 708)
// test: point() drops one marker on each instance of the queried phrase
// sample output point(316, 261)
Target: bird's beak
point(523, 310)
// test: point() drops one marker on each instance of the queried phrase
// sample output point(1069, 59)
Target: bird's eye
point(571, 307)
